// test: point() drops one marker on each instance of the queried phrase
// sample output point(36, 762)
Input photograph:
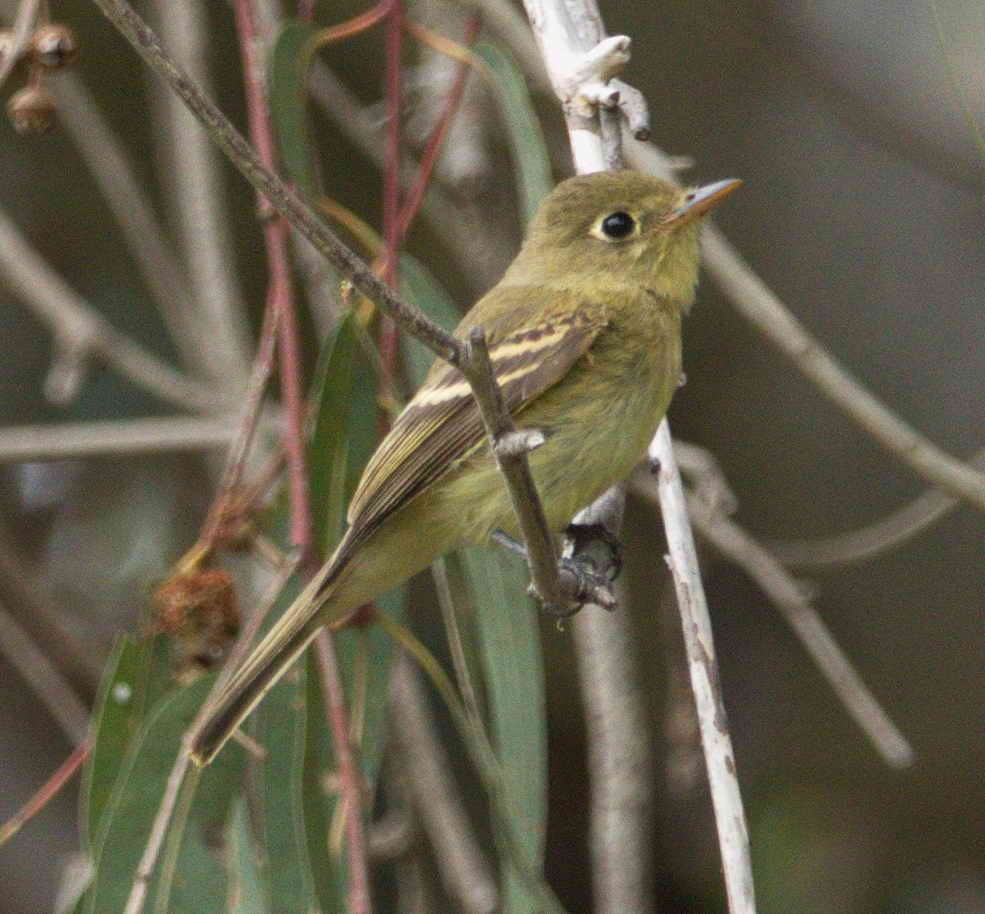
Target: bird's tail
point(265, 665)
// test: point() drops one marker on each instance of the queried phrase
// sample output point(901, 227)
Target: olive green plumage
point(584, 337)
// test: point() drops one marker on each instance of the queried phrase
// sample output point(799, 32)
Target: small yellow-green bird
point(584, 334)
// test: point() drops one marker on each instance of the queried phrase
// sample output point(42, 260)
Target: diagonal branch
point(80, 331)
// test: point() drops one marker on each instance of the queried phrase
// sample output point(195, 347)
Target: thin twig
point(281, 197)
point(280, 297)
point(43, 677)
point(80, 331)
point(28, 600)
point(432, 148)
point(175, 837)
point(872, 540)
point(730, 820)
point(162, 821)
point(464, 869)
point(541, 553)
point(456, 644)
point(461, 228)
point(116, 437)
point(111, 167)
point(360, 901)
point(232, 473)
point(195, 182)
point(46, 792)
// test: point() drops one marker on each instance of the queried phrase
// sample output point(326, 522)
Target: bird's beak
point(701, 200)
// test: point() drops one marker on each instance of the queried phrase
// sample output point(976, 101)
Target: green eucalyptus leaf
point(420, 288)
point(247, 893)
point(505, 620)
point(519, 121)
point(279, 725)
point(288, 66)
point(200, 883)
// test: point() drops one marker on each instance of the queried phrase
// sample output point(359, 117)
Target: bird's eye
point(618, 226)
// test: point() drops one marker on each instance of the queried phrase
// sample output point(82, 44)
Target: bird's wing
point(441, 424)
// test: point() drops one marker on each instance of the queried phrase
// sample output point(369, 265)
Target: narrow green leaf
point(519, 120)
point(280, 728)
point(246, 894)
point(288, 103)
point(345, 431)
point(512, 664)
point(133, 804)
point(135, 677)
point(420, 288)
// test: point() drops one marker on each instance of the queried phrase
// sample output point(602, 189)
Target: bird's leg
point(581, 578)
point(582, 542)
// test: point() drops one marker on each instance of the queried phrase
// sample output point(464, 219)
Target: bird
point(584, 338)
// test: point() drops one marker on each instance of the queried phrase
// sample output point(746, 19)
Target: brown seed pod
point(54, 46)
point(32, 110)
point(199, 613)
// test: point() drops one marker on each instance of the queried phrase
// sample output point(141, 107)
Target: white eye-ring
point(616, 226)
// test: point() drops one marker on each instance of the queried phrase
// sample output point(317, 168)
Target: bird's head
point(618, 227)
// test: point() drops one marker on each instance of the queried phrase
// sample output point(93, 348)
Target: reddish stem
point(279, 295)
point(432, 149)
point(232, 473)
point(279, 291)
point(333, 695)
point(46, 792)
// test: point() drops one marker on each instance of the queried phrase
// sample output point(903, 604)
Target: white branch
point(733, 836)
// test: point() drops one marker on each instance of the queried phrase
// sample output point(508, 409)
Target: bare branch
point(458, 225)
point(43, 678)
point(121, 437)
point(733, 835)
point(875, 539)
point(281, 197)
point(193, 175)
point(464, 869)
point(621, 762)
point(112, 169)
point(80, 330)
point(757, 303)
point(541, 554)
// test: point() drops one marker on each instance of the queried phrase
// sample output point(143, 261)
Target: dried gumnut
point(54, 46)
point(32, 110)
